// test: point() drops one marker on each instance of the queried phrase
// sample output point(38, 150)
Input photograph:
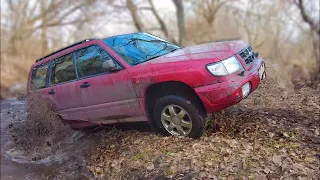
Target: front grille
point(247, 55)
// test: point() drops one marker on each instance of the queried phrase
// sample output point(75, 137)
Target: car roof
point(86, 40)
point(83, 41)
point(77, 43)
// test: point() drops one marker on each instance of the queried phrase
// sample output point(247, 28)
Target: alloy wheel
point(176, 120)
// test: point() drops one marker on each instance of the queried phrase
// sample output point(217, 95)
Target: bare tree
point(313, 23)
point(134, 14)
point(180, 20)
point(138, 22)
point(252, 22)
point(314, 26)
point(208, 9)
point(25, 18)
point(163, 26)
point(44, 40)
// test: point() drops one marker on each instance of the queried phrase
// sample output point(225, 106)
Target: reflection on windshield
point(139, 47)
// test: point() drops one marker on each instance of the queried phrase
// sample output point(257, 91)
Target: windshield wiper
point(153, 58)
point(142, 61)
point(173, 50)
point(156, 56)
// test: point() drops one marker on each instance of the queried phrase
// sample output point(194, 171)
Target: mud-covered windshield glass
point(139, 47)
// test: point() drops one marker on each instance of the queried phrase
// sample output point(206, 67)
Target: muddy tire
point(175, 115)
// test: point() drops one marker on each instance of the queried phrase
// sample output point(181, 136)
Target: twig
point(255, 138)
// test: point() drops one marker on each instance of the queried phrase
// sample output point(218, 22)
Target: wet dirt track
point(66, 161)
point(11, 169)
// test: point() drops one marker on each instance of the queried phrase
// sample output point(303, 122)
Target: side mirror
point(116, 69)
point(108, 65)
point(256, 54)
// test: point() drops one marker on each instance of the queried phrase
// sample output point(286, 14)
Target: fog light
point(246, 90)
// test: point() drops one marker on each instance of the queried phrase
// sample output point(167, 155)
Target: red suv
point(140, 77)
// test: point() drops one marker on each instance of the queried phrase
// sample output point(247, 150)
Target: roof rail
point(227, 39)
point(86, 40)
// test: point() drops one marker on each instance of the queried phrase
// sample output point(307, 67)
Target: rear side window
point(39, 76)
point(62, 70)
point(90, 60)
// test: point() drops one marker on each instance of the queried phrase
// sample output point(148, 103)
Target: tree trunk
point(180, 20)
point(314, 29)
point(44, 40)
point(163, 26)
point(134, 14)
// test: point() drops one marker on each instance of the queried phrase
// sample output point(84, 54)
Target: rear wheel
point(175, 115)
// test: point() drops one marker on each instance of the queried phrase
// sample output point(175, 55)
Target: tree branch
point(163, 26)
point(314, 26)
point(134, 14)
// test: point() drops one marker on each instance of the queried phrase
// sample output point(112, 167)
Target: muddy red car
point(140, 77)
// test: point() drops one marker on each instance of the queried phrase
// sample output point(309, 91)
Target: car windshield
point(139, 47)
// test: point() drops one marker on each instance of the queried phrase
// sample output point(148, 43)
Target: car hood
point(212, 51)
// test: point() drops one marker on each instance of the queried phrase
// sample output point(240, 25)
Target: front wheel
point(174, 115)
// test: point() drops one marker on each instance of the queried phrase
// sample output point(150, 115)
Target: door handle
point(51, 91)
point(84, 85)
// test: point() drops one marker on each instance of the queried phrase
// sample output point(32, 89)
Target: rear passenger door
point(62, 90)
point(106, 95)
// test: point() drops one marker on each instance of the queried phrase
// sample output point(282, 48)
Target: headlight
point(225, 67)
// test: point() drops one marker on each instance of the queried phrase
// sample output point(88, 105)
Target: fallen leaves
point(210, 157)
point(261, 138)
point(150, 167)
point(276, 159)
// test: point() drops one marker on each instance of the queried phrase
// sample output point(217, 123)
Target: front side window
point(38, 78)
point(62, 70)
point(91, 61)
point(137, 48)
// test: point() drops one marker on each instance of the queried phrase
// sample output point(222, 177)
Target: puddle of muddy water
point(63, 160)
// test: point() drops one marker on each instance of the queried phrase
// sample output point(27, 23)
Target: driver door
point(106, 95)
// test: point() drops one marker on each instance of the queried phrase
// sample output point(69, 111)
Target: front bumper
point(219, 96)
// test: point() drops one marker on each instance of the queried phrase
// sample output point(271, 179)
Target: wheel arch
point(157, 90)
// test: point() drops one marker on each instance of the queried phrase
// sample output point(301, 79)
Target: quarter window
point(38, 78)
point(62, 70)
point(91, 61)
